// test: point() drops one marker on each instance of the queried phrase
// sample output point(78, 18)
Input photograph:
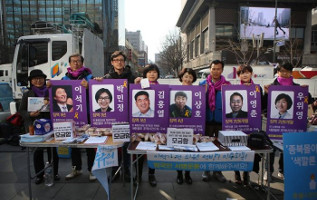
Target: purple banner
point(287, 110)
point(241, 108)
point(188, 108)
point(149, 108)
point(108, 102)
point(68, 101)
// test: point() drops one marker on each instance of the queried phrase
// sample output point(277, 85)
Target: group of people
point(213, 84)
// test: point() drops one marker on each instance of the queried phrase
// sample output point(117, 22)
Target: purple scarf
point(40, 92)
point(285, 81)
point(153, 82)
point(251, 81)
point(78, 72)
point(212, 88)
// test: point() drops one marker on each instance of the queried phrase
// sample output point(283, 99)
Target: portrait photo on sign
point(62, 98)
point(143, 103)
point(236, 104)
point(180, 104)
point(102, 98)
point(282, 104)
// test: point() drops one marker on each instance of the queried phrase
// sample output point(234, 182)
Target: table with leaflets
point(193, 163)
point(51, 142)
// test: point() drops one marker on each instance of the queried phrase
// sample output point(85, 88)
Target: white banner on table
point(121, 132)
point(106, 156)
point(213, 161)
point(177, 136)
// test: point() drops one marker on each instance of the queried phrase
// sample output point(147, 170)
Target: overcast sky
point(154, 18)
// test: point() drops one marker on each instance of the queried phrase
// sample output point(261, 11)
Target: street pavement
point(13, 184)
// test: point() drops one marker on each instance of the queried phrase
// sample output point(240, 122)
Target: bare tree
point(292, 52)
point(173, 53)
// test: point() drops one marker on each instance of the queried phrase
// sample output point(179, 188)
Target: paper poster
point(68, 101)
point(149, 108)
point(108, 102)
point(241, 108)
point(187, 108)
point(287, 110)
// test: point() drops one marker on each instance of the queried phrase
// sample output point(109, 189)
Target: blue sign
point(300, 163)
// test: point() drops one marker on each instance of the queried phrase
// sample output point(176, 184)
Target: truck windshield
point(30, 54)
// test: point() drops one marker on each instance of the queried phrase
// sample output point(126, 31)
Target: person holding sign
point(38, 89)
point(120, 71)
point(187, 77)
point(284, 78)
point(77, 71)
point(213, 85)
point(152, 73)
point(103, 97)
point(236, 103)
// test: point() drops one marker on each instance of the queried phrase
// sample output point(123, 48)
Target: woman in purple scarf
point(38, 89)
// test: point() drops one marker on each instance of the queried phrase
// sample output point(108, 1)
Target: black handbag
point(259, 139)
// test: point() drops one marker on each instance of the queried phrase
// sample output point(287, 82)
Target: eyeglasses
point(104, 98)
point(75, 61)
point(38, 79)
point(118, 60)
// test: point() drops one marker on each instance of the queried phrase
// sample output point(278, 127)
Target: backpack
point(259, 139)
point(15, 119)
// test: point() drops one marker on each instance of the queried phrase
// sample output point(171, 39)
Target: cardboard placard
point(63, 130)
point(179, 136)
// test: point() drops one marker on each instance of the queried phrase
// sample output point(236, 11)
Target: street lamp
point(257, 43)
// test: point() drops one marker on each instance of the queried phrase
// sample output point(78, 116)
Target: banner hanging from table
point(209, 161)
point(106, 156)
point(68, 101)
point(188, 108)
point(242, 108)
point(287, 110)
point(300, 165)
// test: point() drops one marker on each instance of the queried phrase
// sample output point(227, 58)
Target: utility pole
point(274, 39)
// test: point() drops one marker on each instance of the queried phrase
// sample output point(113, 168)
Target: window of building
point(224, 30)
point(59, 49)
point(297, 33)
point(204, 41)
point(314, 39)
point(191, 50)
point(197, 45)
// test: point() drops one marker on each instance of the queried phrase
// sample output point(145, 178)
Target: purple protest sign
point(108, 102)
point(149, 108)
point(188, 108)
point(68, 101)
point(241, 108)
point(287, 110)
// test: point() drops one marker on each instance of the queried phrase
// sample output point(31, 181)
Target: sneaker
point(219, 176)
point(74, 173)
point(206, 176)
point(152, 180)
point(280, 175)
point(265, 176)
point(91, 177)
point(57, 177)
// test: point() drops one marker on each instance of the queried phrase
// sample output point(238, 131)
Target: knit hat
point(36, 73)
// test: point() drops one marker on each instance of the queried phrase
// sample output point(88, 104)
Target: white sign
point(63, 130)
point(120, 132)
point(179, 136)
point(38, 104)
point(105, 157)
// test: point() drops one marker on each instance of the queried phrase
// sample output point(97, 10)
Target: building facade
point(17, 17)
point(212, 29)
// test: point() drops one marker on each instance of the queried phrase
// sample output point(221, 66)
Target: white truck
point(50, 52)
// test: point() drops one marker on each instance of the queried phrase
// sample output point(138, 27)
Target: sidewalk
point(13, 184)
